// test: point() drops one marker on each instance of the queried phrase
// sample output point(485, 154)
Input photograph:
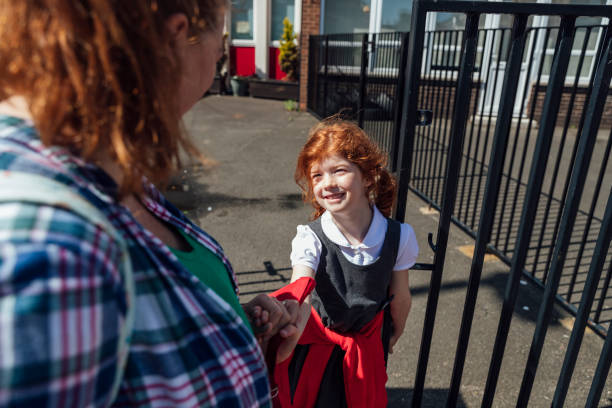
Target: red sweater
point(363, 367)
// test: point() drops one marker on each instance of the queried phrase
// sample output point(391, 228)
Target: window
point(280, 10)
point(346, 16)
point(396, 15)
point(242, 19)
point(585, 36)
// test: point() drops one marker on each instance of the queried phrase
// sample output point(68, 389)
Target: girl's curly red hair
point(336, 136)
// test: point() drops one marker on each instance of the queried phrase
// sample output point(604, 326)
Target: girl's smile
point(338, 185)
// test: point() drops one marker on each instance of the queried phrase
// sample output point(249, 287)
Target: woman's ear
point(177, 27)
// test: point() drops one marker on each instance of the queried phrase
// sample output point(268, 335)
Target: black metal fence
point(358, 74)
point(517, 155)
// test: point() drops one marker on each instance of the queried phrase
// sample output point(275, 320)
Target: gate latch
point(424, 117)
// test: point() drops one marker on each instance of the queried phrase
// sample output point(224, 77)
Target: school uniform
point(351, 291)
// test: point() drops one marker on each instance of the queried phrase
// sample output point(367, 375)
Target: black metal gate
point(490, 149)
point(451, 155)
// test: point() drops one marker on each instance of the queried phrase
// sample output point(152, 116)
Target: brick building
point(256, 25)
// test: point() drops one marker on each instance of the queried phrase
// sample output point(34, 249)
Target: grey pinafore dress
point(347, 297)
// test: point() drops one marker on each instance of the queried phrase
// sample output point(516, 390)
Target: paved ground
point(246, 198)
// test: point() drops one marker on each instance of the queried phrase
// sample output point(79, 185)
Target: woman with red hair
point(359, 259)
point(108, 294)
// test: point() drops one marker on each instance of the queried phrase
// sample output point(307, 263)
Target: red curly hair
point(336, 136)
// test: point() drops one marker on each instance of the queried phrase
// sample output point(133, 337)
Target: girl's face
point(338, 185)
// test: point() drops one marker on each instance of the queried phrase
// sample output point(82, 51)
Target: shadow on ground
point(527, 302)
point(432, 397)
point(188, 194)
point(526, 308)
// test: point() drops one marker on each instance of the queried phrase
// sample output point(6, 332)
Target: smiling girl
point(359, 259)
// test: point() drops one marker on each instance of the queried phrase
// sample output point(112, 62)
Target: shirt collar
point(374, 236)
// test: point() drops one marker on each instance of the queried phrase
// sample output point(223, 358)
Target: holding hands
point(270, 316)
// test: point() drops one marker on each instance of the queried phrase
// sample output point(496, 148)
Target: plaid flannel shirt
point(63, 301)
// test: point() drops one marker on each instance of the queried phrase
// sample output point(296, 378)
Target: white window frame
point(297, 23)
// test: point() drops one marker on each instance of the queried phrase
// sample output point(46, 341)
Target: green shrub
point(291, 105)
point(289, 56)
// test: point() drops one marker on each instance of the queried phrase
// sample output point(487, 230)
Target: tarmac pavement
point(246, 198)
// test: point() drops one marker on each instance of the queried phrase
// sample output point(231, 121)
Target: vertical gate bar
point(598, 185)
point(516, 142)
point(401, 81)
point(558, 161)
point(490, 119)
point(435, 134)
point(362, 79)
point(479, 133)
point(463, 199)
point(409, 106)
point(312, 77)
point(437, 130)
point(498, 152)
point(551, 108)
point(536, 91)
point(325, 71)
point(538, 249)
point(589, 216)
point(600, 50)
point(579, 173)
point(588, 295)
point(601, 374)
point(424, 133)
point(431, 130)
point(445, 134)
point(450, 191)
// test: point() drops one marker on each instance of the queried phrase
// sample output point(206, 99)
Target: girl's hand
point(395, 336)
point(400, 305)
point(292, 333)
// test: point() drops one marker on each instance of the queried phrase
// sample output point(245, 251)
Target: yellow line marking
point(428, 211)
point(468, 250)
point(568, 323)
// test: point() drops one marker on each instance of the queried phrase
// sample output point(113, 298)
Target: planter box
point(274, 89)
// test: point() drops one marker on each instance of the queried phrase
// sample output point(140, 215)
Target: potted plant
point(240, 85)
point(289, 56)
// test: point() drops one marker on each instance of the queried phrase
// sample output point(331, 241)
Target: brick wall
point(577, 106)
point(311, 18)
point(439, 96)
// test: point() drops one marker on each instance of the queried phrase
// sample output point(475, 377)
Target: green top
point(209, 269)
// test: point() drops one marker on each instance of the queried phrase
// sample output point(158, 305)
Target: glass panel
point(242, 19)
point(547, 65)
point(396, 15)
point(280, 10)
point(554, 20)
point(450, 21)
point(573, 66)
point(581, 32)
point(346, 16)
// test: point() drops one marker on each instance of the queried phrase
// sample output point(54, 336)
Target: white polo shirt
point(306, 246)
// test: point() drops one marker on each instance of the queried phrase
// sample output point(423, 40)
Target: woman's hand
point(268, 316)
